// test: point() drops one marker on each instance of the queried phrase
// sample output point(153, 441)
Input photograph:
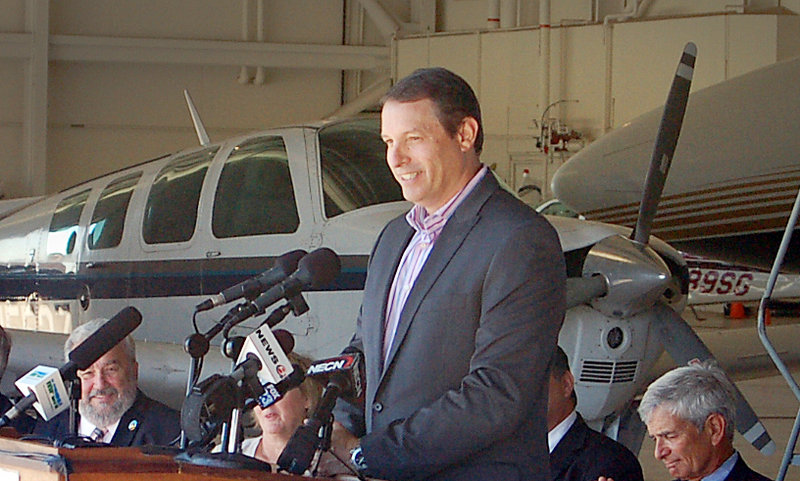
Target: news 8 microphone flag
point(45, 383)
point(275, 364)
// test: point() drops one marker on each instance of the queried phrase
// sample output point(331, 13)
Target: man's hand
point(342, 442)
point(603, 478)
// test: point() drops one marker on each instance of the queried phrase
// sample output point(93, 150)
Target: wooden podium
point(31, 461)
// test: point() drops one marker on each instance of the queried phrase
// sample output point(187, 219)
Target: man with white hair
point(112, 409)
point(690, 413)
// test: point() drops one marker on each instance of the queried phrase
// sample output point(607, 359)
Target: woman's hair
point(311, 388)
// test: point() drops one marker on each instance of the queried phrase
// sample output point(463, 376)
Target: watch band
point(357, 459)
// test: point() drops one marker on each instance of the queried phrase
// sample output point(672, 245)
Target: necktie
point(97, 435)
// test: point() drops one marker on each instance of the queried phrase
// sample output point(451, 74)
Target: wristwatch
point(357, 459)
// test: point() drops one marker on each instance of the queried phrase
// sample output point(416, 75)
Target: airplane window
point(354, 170)
point(171, 211)
point(64, 225)
point(255, 194)
point(108, 219)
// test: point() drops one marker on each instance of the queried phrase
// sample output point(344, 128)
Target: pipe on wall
point(244, 75)
point(260, 70)
point(508, 13)
point(544, 56)
point(493, 14)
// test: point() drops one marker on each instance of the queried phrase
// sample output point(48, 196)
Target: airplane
point(712, 281)
point(716, 282)
point(164, 235)
point(734, 175)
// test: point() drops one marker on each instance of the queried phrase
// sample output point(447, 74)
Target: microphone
point(274, 392)
point(345, 372)
point(317, 269)
point(211, 401)
point(81, 357)
point(344, 375)
point(265, 345)
point(45, 384)
point(284, 265)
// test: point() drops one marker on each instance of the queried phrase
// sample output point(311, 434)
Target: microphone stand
point(74, 388)
point(230, 430)
point(231, 456)
point(231, 349)
point(312, 436)
point(197, 346)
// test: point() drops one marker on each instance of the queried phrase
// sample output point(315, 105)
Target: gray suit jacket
point(463, 393)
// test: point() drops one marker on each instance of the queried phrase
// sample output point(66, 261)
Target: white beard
point(107, 415)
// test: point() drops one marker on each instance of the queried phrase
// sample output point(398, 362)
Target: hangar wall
point(614, 72)
point(92, 85)
point(113, 75)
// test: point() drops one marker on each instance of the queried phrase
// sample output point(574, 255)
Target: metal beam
point(34, 125)
point(199, 52)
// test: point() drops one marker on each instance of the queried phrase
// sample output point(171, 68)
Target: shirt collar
point(724, 469)
point(86, 427)
point(431, 225)
point(555, 435)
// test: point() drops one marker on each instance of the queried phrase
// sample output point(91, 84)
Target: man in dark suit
point(690, 413)
point(112, 408)
point(462, 305)
point(577, 452)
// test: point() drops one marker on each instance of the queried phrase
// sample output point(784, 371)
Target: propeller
point(667, 139)
point(624, 277)
point(677, 337)
point(683, 345)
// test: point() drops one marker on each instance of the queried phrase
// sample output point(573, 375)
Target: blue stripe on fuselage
point(144, 279)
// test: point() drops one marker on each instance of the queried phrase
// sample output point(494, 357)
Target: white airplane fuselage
point(164, 235)
point(733, 179)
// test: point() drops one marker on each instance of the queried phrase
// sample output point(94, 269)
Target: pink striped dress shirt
point(427, 228)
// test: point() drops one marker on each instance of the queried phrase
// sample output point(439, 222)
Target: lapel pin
point(132, 425)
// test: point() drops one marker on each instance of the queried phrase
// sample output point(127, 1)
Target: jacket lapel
point(447, 244)
point(568, 448)
point(128, 425)
point(384, 265)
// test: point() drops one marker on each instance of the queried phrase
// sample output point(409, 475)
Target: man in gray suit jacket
point(463, 302)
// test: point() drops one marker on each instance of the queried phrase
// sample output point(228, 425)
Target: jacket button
point(378, 407)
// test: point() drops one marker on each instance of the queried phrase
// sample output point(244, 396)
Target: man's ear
point(716, 424)
point(569, 381)
point(467, 133)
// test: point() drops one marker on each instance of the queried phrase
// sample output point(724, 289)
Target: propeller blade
point(683, 345)
point(666, 141)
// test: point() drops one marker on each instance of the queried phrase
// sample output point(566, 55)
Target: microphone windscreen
point(105, 338)
point(288, 261)
point(319, 268)
point(285, 339)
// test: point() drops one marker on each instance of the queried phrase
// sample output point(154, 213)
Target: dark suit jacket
point(147, 422)
point(742, 472)
point(583, 454)
point(463, 394)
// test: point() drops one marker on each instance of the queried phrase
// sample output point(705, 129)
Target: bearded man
point(112, 408)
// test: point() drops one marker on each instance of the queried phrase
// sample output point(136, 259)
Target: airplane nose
point(635, 275)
